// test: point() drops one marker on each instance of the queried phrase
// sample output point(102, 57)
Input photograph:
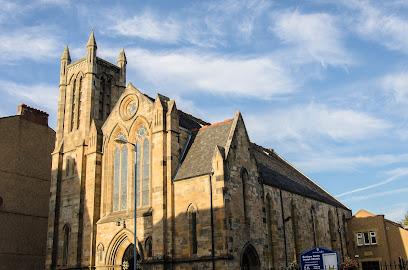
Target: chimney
point(33, 115)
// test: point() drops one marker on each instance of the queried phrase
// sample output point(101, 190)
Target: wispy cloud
point(149, 26)
point(399, 174)
point(375, 195)
point(184, 70)
point(375, 23)
point(397, 86)
point(43, 95)
point(315, 36)
point(316, 120)
point(29, 43)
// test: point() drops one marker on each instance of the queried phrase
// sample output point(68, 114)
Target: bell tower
point(89, 89)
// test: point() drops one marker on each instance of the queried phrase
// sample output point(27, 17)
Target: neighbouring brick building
point(26, 143)
point(207, 197)
point(374, 240)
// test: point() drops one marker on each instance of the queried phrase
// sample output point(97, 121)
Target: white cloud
point(315, 120)
point(29, 43)
point(181, 71)
point(43, 95)
point(375, 23)
point(397, 174)
point(148, 26)
point(396, 212)
point(314, 36)
point(397, 85)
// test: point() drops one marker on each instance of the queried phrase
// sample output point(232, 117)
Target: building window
point(65, 251)
point(142, 167)
point(294, 232)
point(312, 213)
point(359, 239)
point(120, 179)
point(192, 232)
point(149, 247)
point(73, 104)
point(245, 178)
point(366, 239)
point(79, 102)
point(373, 238)
point(100, 252)
point(332, 230)
point(269, 230)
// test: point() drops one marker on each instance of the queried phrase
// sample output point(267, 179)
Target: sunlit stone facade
point(207, 198)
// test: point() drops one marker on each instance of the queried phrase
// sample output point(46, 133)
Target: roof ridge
point(213, 125)
point(199, 120)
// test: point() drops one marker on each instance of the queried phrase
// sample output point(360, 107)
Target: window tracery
point(120, 175)
point(142, 167)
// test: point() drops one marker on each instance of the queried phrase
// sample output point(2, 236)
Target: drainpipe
point(284, 228)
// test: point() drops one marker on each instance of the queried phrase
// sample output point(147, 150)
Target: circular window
point(128, 107)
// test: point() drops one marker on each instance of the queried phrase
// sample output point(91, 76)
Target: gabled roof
point(200, 149)
point(277, 172)
point(363, 213)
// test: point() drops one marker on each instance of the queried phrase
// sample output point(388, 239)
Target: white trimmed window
point(366, 238)
point(359, 239)
point(373, 238)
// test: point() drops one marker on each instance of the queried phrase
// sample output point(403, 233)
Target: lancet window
point(120, 175)
point(142, 167)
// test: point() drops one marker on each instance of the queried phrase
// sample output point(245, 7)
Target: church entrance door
point(249, 259)
point(128, 259)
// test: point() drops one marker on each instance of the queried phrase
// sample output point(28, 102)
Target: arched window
point(108, 99)
point(67, 166)
point(120, 162)
point(332, 233)
point(65, 251)
point(101, 98)
point(73, 104)
point(192, 218)
point(142, 167)
point(79, 102)
point(100, 250)
point(268, 210)
point(294, 232)
point(312, 213)
point(245, 178)
point(149, 247)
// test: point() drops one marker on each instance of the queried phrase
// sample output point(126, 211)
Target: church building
point(206, 196)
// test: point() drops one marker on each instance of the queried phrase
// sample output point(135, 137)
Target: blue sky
point(323, 83)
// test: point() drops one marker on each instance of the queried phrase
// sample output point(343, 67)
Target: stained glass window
point(138, 162)
point(123, 184)
point(146, 173)
point(141, 133)
point(116, 167)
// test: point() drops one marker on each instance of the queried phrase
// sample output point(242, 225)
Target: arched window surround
point(269, 214)
point(245, 193)
point(295, 235)
point(66, 239)
point(149, 247)
point(120, 176)
point(193, 221)
point(140, 136)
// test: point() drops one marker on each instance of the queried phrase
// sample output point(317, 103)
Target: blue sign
point(319, 259)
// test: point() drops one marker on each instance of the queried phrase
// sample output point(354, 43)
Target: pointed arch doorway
point(128, 259)
point(249, 258)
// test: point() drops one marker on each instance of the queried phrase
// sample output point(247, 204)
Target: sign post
point(319, 259)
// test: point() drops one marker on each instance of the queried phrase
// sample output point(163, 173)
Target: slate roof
point(201, 147)
point(190, 122)
point(277, 172)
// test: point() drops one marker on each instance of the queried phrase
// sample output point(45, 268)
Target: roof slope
point(201, 148)
point(275, 171)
